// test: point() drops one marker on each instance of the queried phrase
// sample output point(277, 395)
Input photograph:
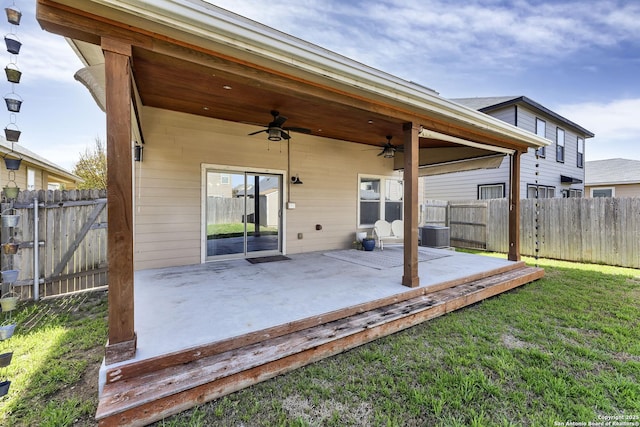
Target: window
point(31, 179)
point(225, 178)
point(572, 192)
point(603, 192)
point(560, 145)
point(580, 152)
point(490, 191)
point(380, 198)
point(541, 130)
point(544, 191)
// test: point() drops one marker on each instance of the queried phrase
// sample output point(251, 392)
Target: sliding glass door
point(243, 214)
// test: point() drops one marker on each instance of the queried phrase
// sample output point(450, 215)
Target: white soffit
point(430, 134)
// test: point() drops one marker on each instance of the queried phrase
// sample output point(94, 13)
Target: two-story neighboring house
point(556, 171)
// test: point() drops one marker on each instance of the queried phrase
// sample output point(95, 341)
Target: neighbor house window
point(544, 191)
point(572, 192)
point(225, 178)
point(380, 198)
point(580, 152)
point(560, 145)
point(490, 191)
point(541, 130)
point(603, 192)
point(31, 179)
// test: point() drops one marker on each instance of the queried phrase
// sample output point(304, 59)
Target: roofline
point(217, 25)
point(534, 104)
point(34, 159)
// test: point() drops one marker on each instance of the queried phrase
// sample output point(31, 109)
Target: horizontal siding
point(167, 199)
point(621, 190)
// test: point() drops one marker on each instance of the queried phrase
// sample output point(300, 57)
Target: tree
point(92, 167)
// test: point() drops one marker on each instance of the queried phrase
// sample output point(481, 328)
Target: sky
point(579, 59)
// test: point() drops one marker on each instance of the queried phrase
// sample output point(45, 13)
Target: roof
point(612, 171)
point(177, 41)
point(487, 104)
point(36, 160)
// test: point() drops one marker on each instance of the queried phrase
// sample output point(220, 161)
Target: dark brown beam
point(122, 336)
point(411, 155)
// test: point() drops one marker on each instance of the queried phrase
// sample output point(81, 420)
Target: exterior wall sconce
point(137, 153)
point(295, 180)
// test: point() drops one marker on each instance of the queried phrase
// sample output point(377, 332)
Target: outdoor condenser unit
point(435, 236)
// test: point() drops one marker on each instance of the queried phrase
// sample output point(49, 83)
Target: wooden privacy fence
point(71, 239)
point(594, 230)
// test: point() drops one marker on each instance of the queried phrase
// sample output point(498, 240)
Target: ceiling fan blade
point(285, 135)
point(258, 131)
point(381, 153)
point(299, 130)
point(278, 121)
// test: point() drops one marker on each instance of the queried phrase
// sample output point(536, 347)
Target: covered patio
point(194, 86)
point(208, 330)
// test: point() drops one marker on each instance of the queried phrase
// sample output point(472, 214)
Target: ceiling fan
point(276, 131)
point(389, 150)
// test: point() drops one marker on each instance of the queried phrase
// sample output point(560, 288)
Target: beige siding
point(168, 193)
point(621, 190)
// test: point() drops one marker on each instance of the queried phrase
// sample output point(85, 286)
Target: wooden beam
point(411, 156)
point(514, 208)
point(122, 337)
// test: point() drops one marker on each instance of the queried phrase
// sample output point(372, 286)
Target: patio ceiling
point(189, 73)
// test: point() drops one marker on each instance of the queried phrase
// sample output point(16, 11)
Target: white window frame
point(580, 160)
point(560, 138)
point(31, 179)
point(612, 189)
point(544, 191)
point(383, 199)
point(541, 130)
point(483, 186)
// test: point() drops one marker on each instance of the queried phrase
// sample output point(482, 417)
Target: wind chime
point(13, 100)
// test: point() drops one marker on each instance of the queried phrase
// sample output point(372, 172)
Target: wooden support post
point(514, 208)
point(411, 154)
point(122, 336)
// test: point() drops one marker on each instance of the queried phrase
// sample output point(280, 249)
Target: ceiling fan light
point(275, 134)
point(388, 153)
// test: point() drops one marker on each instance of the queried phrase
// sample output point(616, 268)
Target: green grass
point(56, 348)
point(563, 348)
point(222, 231)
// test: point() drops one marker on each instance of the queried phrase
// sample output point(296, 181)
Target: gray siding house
point(556, 171)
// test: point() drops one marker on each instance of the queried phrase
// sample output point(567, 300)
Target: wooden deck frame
point(150, 390)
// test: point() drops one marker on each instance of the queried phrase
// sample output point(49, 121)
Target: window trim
point(547, 187)
point(560, 151)
point(613, 191)
point(580, 156)
point(494, 184)
point(383, 199)
point(541, 151)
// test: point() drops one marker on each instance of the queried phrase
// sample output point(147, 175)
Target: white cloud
point(614, 123)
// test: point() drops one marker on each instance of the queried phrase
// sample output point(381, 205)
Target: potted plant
point(368, 243)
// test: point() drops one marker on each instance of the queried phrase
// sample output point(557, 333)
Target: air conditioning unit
point(435, 236)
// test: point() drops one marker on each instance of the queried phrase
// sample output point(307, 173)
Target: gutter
point(216, 25)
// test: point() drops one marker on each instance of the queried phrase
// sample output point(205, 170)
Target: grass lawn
point(223, 231)
point(562, 350)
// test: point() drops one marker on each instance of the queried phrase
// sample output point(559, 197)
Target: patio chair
point(383, 232)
